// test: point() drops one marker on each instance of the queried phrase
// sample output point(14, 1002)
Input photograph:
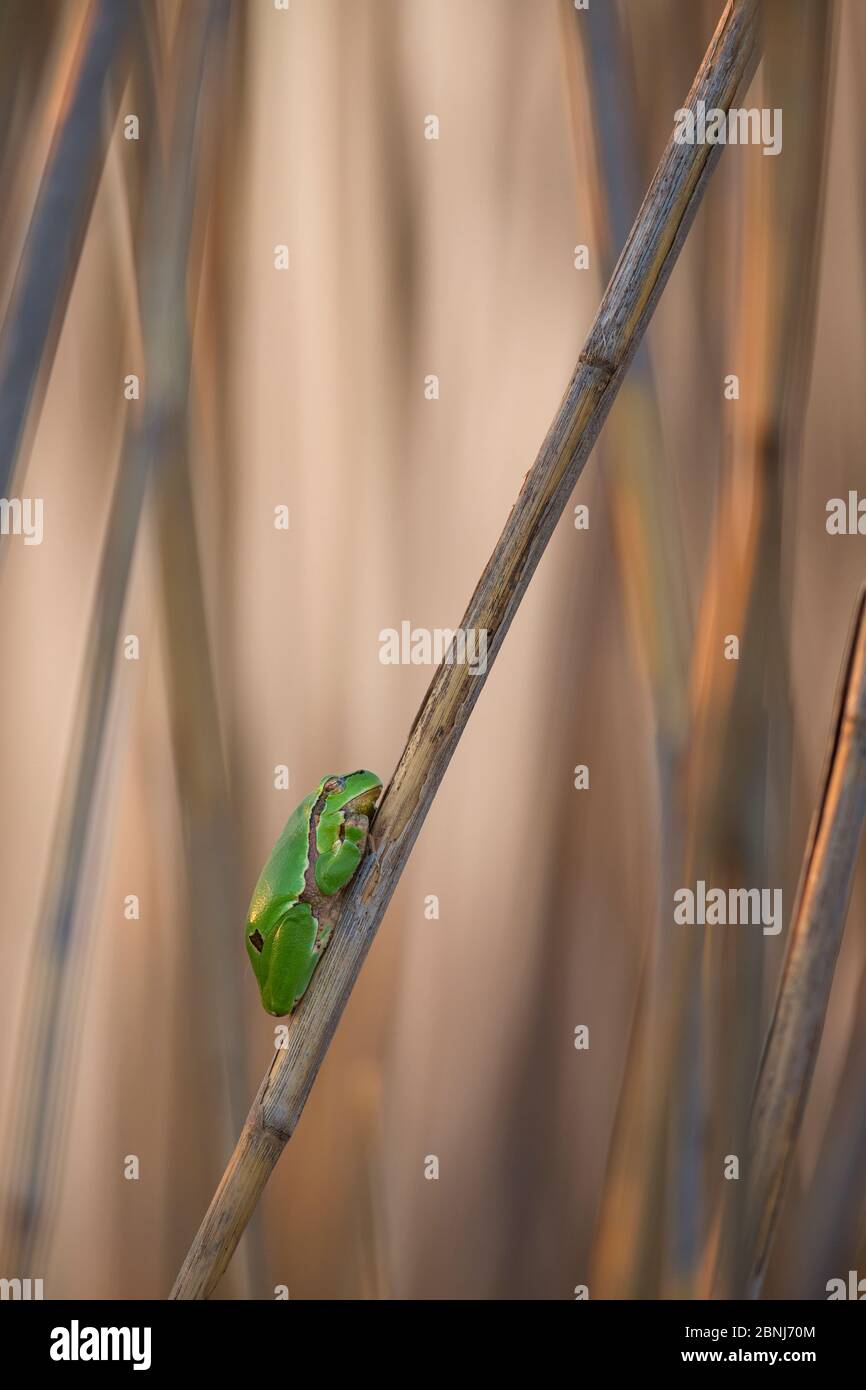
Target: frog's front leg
point(341, 844)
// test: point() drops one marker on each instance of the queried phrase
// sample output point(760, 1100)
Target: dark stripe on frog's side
point(311, 893)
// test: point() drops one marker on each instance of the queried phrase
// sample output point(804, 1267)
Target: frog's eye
point(333, 784)
point(257, 940)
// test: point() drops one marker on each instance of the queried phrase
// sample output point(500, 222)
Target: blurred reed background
point(259, 647)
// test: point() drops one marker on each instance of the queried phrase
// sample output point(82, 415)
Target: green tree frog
point(298, 897)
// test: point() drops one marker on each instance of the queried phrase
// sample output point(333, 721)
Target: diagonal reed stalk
point(816, 934)
point(827, 1219)
point(60, 219)
point(641, 273)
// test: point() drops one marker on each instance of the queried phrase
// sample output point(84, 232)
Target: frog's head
point(356, 791)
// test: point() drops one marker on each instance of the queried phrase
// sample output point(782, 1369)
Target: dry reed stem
point(58, 225)
point(816, 934)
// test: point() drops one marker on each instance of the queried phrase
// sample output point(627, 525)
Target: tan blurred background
point(453, 257)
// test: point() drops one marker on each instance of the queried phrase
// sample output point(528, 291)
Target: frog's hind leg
point(292, 959)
